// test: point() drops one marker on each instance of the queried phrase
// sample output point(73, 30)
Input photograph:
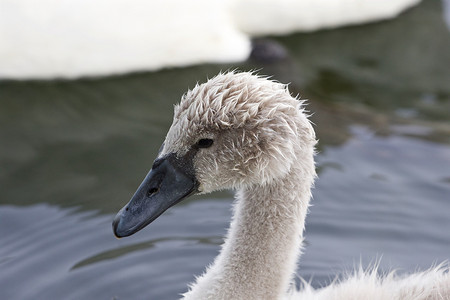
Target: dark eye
point(205, 143)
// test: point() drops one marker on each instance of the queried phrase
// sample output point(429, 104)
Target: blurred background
point(79, 130)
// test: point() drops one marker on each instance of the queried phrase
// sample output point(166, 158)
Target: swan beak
point(170, 180)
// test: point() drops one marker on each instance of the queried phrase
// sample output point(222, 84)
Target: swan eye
point(205, 143)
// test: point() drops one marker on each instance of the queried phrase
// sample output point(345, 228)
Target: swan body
point(262, 17)
point(247, 133)
point(52, 38)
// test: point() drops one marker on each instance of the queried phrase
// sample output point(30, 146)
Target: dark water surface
point(73, 152)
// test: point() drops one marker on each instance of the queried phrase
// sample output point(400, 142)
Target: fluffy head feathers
point(258, 129)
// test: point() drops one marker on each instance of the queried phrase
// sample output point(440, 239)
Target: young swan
point(240, 131)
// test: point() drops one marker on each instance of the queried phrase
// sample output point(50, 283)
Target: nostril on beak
point(152, 191)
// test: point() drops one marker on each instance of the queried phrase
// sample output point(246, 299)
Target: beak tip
point(123, 224)
point(116, 227)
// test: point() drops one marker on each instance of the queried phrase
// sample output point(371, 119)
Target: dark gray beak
point(170, 180)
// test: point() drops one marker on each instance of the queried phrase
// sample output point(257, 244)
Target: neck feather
point(258, 258)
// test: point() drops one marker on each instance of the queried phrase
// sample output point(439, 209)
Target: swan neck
point(259, 256)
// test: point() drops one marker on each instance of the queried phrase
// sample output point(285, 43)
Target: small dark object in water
point(267, 51)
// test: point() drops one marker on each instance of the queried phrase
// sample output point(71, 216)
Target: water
point(73, 152)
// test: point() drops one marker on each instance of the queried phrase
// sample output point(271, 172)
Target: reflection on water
point(387, 197)
point(446, 8)
point(63, 254)
point(72, 154)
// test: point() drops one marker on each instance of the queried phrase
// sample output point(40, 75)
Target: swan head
point(235, 130)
